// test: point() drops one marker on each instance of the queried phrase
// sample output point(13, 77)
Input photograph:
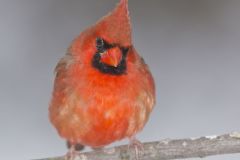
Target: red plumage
point(103, 90)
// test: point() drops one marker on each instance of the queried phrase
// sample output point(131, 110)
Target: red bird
point(103, 90)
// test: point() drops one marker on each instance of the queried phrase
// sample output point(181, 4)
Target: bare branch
point(170, 149)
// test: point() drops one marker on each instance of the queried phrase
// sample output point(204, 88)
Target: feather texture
point(95, 108)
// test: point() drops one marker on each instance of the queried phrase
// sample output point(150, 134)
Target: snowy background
point(191, 46)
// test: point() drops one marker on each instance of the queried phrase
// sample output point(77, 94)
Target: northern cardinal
point(103, 90)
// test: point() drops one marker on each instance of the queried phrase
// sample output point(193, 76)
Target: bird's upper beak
point(112, 56)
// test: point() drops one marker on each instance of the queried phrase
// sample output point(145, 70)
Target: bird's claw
point(137, 147)
point(72, 154)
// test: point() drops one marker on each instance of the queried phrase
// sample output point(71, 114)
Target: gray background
point(191, 46)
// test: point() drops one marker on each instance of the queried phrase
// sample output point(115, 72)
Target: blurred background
point(191, 46)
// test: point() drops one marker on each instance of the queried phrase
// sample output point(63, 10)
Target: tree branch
point(170, 149)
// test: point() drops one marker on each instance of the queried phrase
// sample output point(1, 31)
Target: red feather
point(95, 108)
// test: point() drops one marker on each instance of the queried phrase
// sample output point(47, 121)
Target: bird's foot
point(77, 147)
point(72, 154)
point(74, 151)
point(137, 147)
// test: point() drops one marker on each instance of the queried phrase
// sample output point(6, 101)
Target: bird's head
point(105, 45)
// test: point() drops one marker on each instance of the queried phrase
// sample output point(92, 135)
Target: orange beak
point(112, 57)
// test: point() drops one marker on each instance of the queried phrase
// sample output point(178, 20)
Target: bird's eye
point(100, 44)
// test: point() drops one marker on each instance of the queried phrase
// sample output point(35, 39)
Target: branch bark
point(170, 149)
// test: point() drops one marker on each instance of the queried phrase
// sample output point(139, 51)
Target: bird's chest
point(103, 108)
point(104, 89)
point(100, 109)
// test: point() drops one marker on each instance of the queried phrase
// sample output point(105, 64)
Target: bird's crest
point(115, 27)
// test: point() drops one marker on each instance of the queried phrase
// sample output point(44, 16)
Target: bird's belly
point(106, 126)
point(98, 126)
point(100, 116)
